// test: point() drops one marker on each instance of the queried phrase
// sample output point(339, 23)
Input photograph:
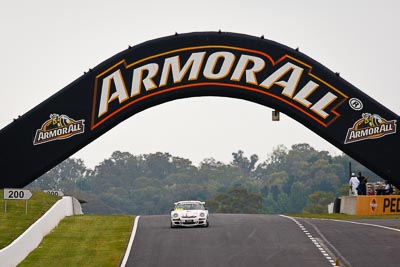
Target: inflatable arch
point(192, 65)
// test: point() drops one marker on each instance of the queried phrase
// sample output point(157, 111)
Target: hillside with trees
point(295, 180)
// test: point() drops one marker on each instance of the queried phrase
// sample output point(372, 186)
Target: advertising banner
point(378, 205)
point(193, 65)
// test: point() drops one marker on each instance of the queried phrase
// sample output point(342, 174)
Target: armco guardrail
point(17, 251)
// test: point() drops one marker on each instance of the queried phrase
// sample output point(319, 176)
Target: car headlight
point(175, 215)
point(202, 214)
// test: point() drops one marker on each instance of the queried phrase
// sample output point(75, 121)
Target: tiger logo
point(372, 120)
point(57, 121)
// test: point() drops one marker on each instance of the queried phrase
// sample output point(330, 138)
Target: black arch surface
point(193, 65)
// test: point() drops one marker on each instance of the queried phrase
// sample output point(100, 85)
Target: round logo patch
point(356, 104)
point(373, 205)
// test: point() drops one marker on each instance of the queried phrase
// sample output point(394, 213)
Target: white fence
point(17, 251)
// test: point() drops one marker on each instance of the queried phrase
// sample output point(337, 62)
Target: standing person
point(362, 187)
point(388, 188)
point(353, 184)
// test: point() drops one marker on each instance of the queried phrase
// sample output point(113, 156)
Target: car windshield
point(189, 206)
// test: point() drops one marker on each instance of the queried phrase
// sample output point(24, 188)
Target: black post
point(349, 168)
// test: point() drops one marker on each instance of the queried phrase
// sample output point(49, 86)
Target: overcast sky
point(45, 45)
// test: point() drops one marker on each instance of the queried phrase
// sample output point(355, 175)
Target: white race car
point(189, 213)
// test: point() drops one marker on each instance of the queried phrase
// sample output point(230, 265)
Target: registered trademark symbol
point(355, 104)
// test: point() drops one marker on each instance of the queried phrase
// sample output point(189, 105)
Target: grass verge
point(86, 240)
point(14, 222)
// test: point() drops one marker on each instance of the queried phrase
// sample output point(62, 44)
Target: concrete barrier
point(330, 207)
point(17, 251)
point(348, 205)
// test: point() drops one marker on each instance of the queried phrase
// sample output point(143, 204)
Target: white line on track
point(367, 224)
point(313, 240)
point(336, 251)
point(342, 221)
point(128, 249)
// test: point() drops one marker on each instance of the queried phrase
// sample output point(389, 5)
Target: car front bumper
point(189, 222)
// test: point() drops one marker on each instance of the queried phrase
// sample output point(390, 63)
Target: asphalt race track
point(264, 240)
point(361, 243)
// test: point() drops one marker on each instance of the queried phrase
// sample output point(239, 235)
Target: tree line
point(295, 180)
